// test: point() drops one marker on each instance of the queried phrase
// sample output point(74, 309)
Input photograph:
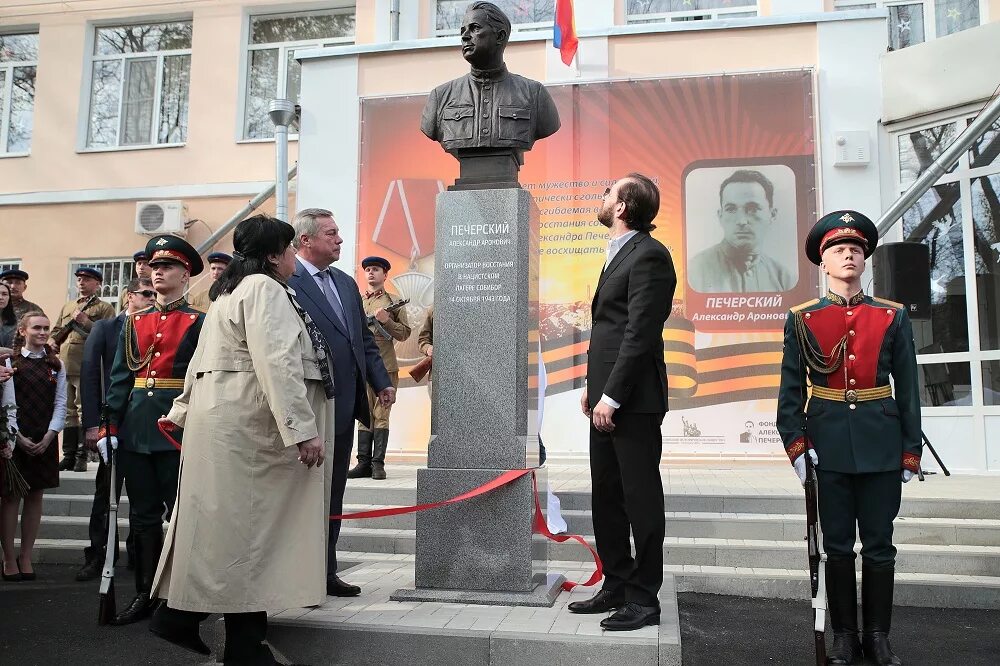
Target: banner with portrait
point(734, 157)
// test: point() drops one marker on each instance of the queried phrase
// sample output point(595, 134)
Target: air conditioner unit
point(153, 218)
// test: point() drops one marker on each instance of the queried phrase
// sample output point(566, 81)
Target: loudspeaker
point(902, 272)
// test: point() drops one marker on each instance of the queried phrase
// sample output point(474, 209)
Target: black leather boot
point(378, 454)
point(363, 470)
point(842, 599)
point(147, 546)
point(876, 607)
point(70, 443)
point(82, 457)
point(179, 627)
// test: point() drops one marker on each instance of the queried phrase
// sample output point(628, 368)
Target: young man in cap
point(142, 272)
point(217, 262)
point(77, 317)
point(387, 328)
point(17, 280)
point(864, 442)
point(153, 354)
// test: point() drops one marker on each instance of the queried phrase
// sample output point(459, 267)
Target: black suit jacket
point(101, 345)
point(356, 360)
point(631, 303)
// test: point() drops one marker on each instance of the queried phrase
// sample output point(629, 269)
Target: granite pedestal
point(484, 413)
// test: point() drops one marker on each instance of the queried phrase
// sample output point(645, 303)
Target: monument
point(484, 413)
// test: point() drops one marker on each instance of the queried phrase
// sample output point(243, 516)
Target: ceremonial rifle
point(817, 560)
point(391, 309)
point(420, 370)
point(106, 607)
point(60, 337)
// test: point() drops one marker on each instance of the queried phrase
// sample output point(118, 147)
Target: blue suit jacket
point(356, 363)
point(101, 345)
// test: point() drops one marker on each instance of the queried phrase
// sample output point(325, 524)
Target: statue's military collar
point(837, 299)
point(488, 75)
point(170, 307)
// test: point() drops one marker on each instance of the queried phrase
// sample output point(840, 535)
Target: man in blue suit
point(99, 354)
point(332, 299)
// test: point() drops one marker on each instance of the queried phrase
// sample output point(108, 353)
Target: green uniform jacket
point(165, 337)
point(867, 340)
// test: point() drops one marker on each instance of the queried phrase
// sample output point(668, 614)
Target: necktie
point(330, 290)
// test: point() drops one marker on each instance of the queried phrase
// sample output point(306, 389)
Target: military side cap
point(91, 272)
point(13, 273)
point(842, 226)
point(219, 258)
point(163, 249)
point(376, 261)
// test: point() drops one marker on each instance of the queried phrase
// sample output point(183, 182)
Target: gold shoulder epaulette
point(886, 301)
point(803, 306)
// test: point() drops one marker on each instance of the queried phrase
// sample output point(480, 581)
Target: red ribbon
point(539, 525)
point(166, 433)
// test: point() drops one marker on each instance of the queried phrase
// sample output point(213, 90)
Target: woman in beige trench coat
point(248, 532)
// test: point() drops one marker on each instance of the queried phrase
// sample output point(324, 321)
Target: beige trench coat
point(249, 527)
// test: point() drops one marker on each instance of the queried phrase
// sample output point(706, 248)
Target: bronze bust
point(489, 117)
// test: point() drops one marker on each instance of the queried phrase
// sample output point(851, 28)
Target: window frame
point(283, 48)
point(86, 92)
point(964, 175)
point(679, 16)
point(930, 12)
point(534, 26)
point(8, 89)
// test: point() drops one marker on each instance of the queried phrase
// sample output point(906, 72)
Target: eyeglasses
point(146, 293)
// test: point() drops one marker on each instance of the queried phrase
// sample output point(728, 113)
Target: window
point(9, 264)
point(915, 21)
point(140, 79)
point(18, 64)
point(523, 14)
point(272, 70)
point(958, 219)
point(660, 11)
point(117, 272)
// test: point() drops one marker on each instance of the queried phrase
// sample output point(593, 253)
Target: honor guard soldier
point(387, 326)
point(148, 373)
point(69, 334)
point(836, 405)
point(17, 280)
point(217, 262)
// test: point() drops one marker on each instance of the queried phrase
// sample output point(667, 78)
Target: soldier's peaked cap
point(842, 226)
point(376, 261)
point(89, 271)
point(176, 250)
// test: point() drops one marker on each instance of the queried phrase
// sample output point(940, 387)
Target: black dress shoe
point(12, 578)
point(181, 634)
point(846, 649)
point(630, 617)
point(338, 588)
point(140, 608)
point(90, 571)
point(602, 602)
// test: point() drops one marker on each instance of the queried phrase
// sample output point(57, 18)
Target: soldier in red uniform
point(148, 373)
point(861, 432)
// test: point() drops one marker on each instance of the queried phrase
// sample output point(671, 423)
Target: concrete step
point(74, 527)
point(74, 505)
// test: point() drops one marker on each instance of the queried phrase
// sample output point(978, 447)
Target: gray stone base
point(543, 595)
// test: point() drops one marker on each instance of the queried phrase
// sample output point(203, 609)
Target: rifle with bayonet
point(391, 309)
point(817, 559)
point(106, 610)
point(60, 336)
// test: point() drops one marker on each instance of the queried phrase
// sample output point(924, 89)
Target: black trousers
point(343, 444)
point(152, 487)
point(850, 504)
point(100, 507)
point(628, 496)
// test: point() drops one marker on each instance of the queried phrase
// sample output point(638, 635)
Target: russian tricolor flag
point(564, 31)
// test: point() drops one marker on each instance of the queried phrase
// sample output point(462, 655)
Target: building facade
point(106, 106)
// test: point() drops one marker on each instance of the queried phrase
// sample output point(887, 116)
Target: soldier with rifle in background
point(388, 323)
point(71, 330)
point(837, 414)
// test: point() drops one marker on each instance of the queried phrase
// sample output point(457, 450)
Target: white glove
point(907, 475)
point(800, 465)
point(102, 446)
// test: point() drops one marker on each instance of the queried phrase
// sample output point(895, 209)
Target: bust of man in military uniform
point(489, 112)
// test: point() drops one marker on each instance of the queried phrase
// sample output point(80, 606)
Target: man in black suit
point(99, 354)
point(626, 399)
point(332, 299)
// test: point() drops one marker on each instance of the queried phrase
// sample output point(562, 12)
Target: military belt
point(157, 382)
point(852, 395)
